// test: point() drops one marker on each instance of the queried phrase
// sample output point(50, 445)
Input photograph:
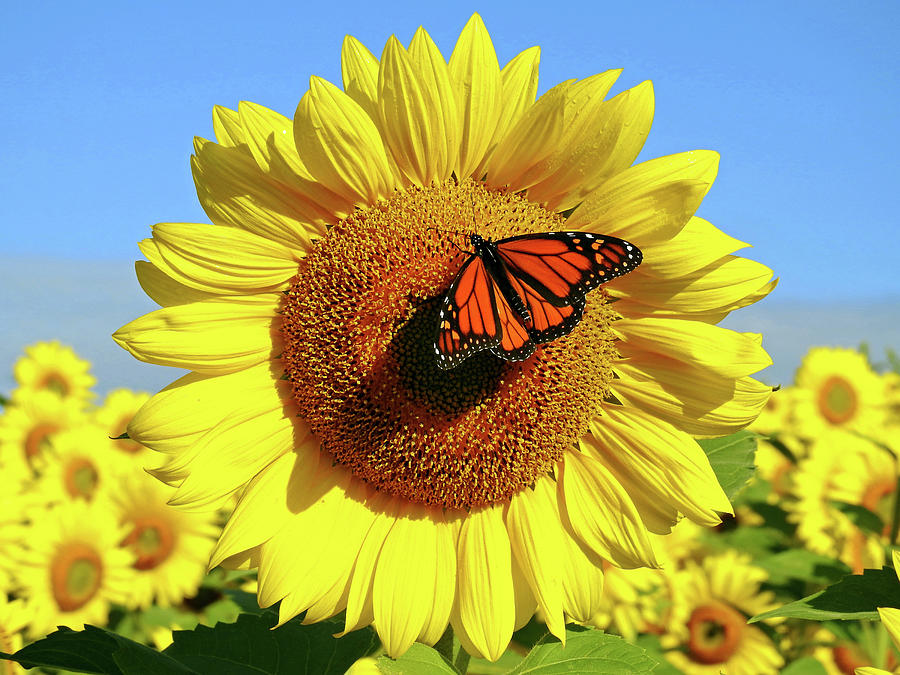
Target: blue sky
point(101, 102)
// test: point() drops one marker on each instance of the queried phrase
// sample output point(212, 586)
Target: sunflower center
point(152, 540)
point(715, 633)
point(359, 325)
point(125, 444)
point(75, 576)
point(837, 400)
point(55, 383)
point(37, 442)
point(81, 477)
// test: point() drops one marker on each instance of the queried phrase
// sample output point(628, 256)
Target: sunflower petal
point(213, 337)
point(359, 70)
point(270, 139)
point(475, 73)
point(163, 289)
point(227, 127)
point(601, 515)
point(699, 244)
point(341, 144)
point(582, 582)
point(485, 595)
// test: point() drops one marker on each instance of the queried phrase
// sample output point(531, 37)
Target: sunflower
point(71, 568)
point(16, 502)
point(307, 315)
point(55, 367)
point(118, 408)
point(171, 546)
point(837, 389)
point(843, 468)
point(27, 428)
point(13, 619)
point(708, 626)
point(633, 601)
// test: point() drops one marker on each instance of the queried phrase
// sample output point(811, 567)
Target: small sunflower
point(837, 389)
point(81, 465)
point(634, 601)
point(72, 568)
point(55, 367)
point(27, 428)
point(846, 468)
point(118, 408)
point(307, 314)
point(708, 626)
point(171, 546)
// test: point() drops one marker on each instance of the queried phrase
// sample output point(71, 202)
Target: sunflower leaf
point(731, 458)
point(859, 515)
point(251, 646)
point(417, 660)
point(590, 651)
point(803, 566)
point(94, 650)
point(805, 666)
point(856, 596)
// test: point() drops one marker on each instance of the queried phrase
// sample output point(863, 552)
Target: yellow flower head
point(837, 389)
point(307, 314)
point(118, 408)
point(708, 630)
point(54, 367)
point(72, 568)
point(171, 546)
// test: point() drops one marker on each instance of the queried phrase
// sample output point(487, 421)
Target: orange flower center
point(837, 401)
point(55, 383)
point(37, 442)
point(359, 324)
point(75, 575)
point(152, 540)
point(80, 478)
point(124, 444)
point(715, 633)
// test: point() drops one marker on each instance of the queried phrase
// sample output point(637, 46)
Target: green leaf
point(590, 651)
point(805, 666)
point(249, 646)
point(731, 458)
point(246, 601)
point(501, 666)
point(863, 518)
point(804, 566)
point(418, 660)
point(856, 596)
point(758, 542)
point(94, 650)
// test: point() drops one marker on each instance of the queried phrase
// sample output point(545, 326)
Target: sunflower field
point(457, 400)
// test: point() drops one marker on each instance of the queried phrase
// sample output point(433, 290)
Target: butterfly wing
point(475, 316)
point(562, 266)
point(547, 321)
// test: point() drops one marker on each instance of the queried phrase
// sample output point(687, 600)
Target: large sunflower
point(372, 480)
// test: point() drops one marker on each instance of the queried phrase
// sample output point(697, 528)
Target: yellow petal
point(485, 595)
point(270, 139)
point(699, 244)
point(417, 109)
point(475, 73)
point(521, 157)
point(601, 142)
point(176, 417)
point(359, 70)
point(261, 510)
point(213, 337)
point(411, 593)
point(692, 398)
point(582, 582)
point(890, 618)
point(221, 260)
point(235, 192)
point(649, 202)
point(163, 289)
point(601, 515)
point(518, 89)
point(535, 532)
point(721, 284)
point(341, 145)
point(720, 350)
point(667, 462)
point(227, 126)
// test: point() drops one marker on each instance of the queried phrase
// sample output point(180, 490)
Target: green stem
point(462, 661)
point(445, 647)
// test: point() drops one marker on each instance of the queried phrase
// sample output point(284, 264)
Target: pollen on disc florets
point(359, 323)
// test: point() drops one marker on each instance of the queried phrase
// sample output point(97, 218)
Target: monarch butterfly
point(515, 293)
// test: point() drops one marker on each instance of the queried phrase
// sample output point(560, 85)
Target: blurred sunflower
point(72, 568)
point(634, 601)
point(27, 428)
point(15, 505)
point(13, 619)
point(708, 632)
point(55, 367)
point(171, 546)
point(837, 389)
point(307, 314)
point(843, 468)
point(118, 408)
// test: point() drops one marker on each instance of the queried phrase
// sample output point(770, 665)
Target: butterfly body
point(512, 294)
